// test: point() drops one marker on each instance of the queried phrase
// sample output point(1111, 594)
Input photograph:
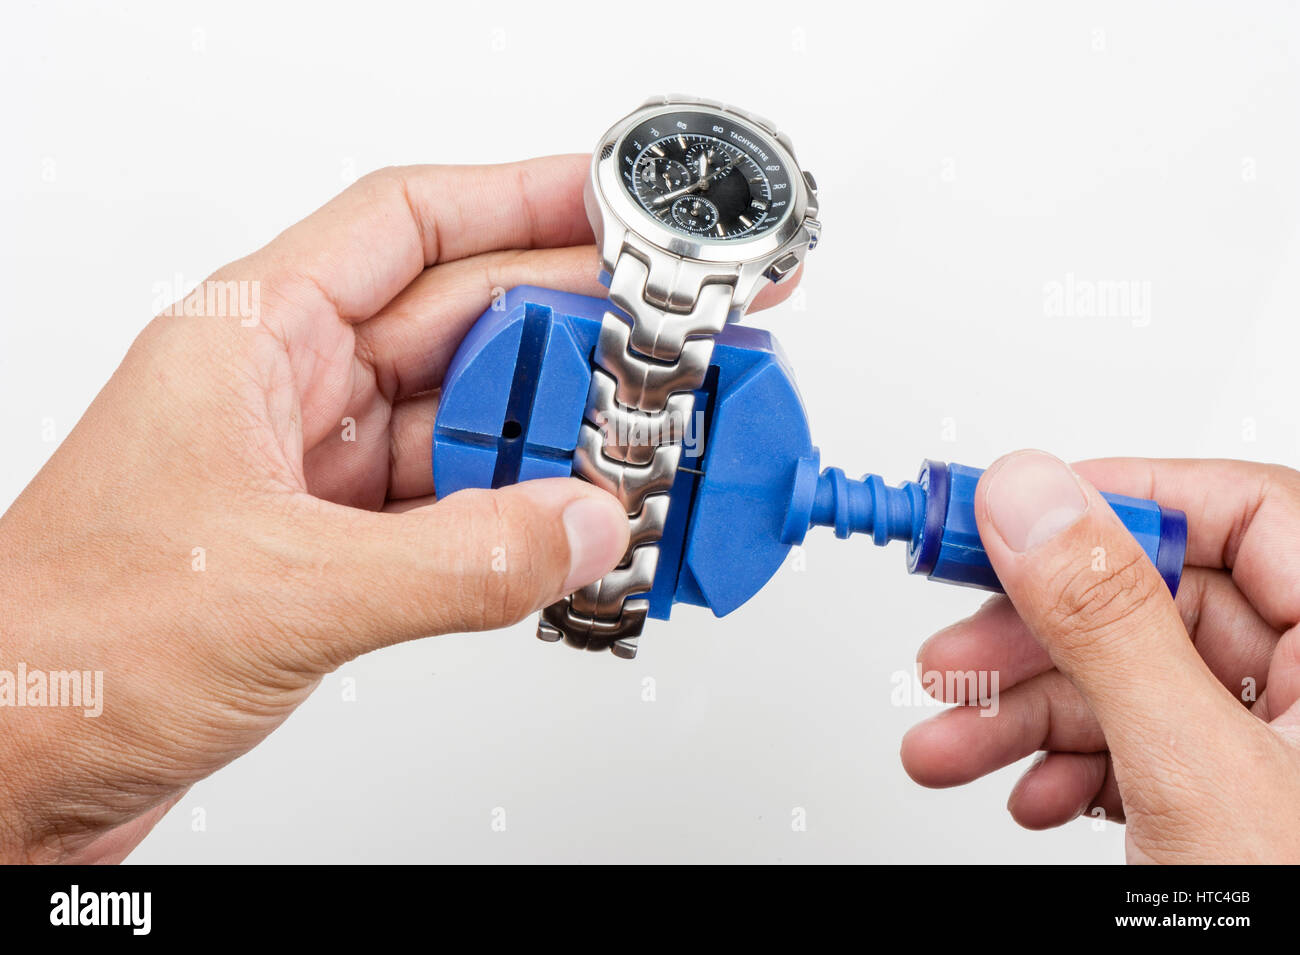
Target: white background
point(968, 156)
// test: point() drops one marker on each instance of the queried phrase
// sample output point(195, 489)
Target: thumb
point(475, 560)
point(1086, 590)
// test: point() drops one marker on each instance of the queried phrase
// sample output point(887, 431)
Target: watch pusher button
point(808, 178)
point(782, 268)
point(814, 228)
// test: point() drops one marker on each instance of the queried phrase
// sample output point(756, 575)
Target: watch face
point(706, 175)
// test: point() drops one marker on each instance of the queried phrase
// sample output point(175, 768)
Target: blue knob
point(957, 555)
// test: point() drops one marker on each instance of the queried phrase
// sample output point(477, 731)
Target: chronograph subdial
point(658, 176)
point(695, 214)
point(709, 162)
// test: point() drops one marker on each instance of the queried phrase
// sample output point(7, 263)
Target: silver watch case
point(619, 223)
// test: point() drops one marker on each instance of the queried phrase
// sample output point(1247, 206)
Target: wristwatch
point(695, 205)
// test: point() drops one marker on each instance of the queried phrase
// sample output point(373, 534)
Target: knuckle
point(380, 184)
point(1090, 604)
point(1287, 480)
point(501, 597)
point(385, 177)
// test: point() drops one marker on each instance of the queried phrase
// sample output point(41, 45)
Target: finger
point(1235, 642)
point(347, 462)
point(992, 640)
point(1281, 706)
point(1240, 517)
point(962, 744)
point(407, 354)
point(411, 452)
point(1108, 800)
point(364, 246)
point(1110, 626)
point(379, 455)
point(1059, 787)
point(411, 341)
point(476, 560)
point(409, 504)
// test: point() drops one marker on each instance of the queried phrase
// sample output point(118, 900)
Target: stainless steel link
point(657, 332)
point(632, 435)
point(605, 597)
point(630, 483)
point(560, 622)
point(643, 383)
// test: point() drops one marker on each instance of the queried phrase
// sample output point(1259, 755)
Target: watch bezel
point(618, 202)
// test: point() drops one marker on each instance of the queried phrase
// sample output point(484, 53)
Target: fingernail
point(1032, 497)
point(596, 531)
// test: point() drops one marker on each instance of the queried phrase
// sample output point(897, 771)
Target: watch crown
point(782, 268)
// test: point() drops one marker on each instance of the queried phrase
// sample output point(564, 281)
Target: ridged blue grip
point(959, 557)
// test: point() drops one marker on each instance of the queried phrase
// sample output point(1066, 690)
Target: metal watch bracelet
point(653, 352)
point(641, 398)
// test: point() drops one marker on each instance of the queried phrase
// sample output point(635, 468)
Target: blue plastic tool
point(750, 483)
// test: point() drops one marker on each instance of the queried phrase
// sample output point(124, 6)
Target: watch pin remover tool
point(749, 484)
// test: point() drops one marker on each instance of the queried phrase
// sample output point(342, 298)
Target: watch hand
point(700, 184)
point(677, 193)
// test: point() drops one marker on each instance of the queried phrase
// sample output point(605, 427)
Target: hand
point(1193, 740)
point(249, 503)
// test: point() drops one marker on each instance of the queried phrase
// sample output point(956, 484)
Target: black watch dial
point(706, 175)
